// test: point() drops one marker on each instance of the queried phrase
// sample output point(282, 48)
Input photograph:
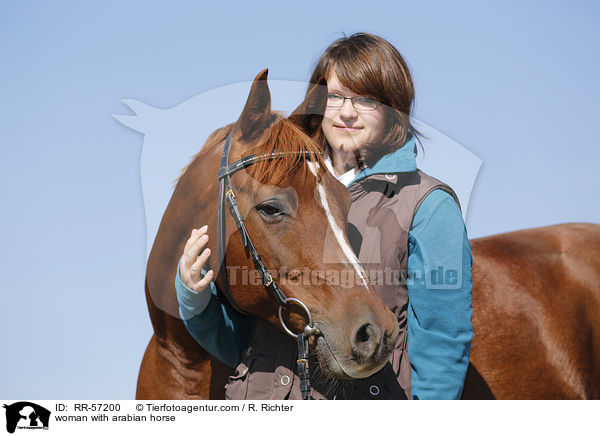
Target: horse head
point(295, 212)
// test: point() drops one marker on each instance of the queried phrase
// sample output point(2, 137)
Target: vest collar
point(400, 161)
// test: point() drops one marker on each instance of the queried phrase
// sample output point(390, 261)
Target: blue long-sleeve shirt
point(439, 299)
point(221, 330)
point(439, 292)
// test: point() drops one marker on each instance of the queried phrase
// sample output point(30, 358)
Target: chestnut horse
point(536, 294)
point(357, 331)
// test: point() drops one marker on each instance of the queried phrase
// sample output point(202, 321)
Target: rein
point(226, 195)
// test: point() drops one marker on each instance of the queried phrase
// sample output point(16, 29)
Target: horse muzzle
point(358, 355)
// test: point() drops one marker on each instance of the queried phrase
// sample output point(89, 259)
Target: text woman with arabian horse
point(272, 193)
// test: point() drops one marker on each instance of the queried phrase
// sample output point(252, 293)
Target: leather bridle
point(226, 194)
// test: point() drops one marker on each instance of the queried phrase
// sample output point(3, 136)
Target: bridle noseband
point(226, 194)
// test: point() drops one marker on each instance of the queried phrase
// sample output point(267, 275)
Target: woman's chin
point(346, 142)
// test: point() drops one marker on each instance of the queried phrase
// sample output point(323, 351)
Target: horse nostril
point(364, 333)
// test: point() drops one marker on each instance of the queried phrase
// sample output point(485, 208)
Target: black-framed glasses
point(360, 103)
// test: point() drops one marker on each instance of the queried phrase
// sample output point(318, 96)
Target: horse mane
point(287, 138)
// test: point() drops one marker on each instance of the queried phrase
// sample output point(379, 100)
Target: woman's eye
point(269, 210)
point(334, 98)
point(365, 100)
point(366, 103)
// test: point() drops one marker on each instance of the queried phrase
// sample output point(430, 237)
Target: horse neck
point(193, 204)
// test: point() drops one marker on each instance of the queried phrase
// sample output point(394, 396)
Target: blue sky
point(514, 82)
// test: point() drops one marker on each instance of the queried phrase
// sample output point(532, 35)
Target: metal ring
point(374, 390)
point(303, 306)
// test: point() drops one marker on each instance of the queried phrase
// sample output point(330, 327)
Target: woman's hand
point(192, 261)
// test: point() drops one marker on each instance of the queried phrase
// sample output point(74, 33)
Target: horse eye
point(269, 210)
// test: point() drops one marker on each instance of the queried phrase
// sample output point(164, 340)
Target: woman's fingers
point(196, 269)
point(193, 262)
point(203, 284)
point(194, 245)
point(197, 248)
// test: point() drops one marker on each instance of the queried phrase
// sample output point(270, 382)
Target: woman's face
point(347, 129)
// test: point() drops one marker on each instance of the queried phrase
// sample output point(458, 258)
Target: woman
point(400, 220)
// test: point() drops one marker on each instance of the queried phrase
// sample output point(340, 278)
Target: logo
point(26, 415)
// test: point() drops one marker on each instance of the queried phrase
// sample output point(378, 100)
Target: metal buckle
point(269, 279)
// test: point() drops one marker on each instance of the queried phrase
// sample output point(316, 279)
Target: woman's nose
point(347, 110)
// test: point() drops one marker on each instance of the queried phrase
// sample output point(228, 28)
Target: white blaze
point(339, 235)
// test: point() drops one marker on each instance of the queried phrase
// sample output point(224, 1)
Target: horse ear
point(309, 115)
point(256, 115)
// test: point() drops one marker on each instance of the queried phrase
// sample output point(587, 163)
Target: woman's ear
point(309, 115)
point(257, 115)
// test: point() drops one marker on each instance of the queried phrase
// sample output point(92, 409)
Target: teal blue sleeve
point(439, 312)
point(219, 329)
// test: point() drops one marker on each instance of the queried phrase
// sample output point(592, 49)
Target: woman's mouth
point(348, 129)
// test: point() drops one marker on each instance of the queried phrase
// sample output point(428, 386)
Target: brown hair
point(371, 66)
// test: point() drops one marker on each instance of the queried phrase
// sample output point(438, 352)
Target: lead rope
point(303, 366)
